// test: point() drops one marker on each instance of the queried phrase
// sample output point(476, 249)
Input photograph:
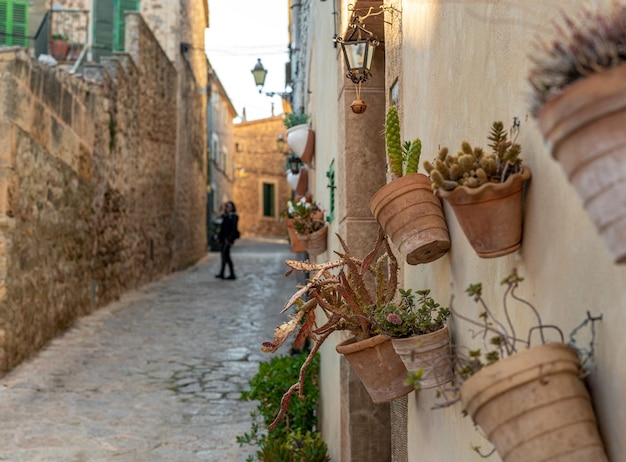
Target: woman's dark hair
point(232, 204)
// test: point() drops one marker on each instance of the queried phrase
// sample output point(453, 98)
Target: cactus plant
point(403, 158)
point(472, 167)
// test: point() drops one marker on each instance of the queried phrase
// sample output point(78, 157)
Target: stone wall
point(87, 189)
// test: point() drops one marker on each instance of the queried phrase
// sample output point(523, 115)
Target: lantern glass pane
point(370, 55)
point(356, 54)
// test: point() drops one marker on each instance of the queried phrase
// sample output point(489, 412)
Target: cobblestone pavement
point(155, 376)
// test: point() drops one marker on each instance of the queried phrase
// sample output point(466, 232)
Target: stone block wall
point(88, 187)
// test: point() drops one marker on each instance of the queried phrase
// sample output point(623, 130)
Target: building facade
point(452, 68)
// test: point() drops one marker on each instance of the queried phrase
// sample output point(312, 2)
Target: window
point(13, 23)
point(269, 204)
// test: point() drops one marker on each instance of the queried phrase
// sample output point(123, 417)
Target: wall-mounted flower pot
point(315, 242)
point(299, 182)
point(534, 407)
point(412, 218)
point(429, 352)
point(491, 215)
point(584, 129)
point(377, 365)
point(301, 140)
point(296, 244)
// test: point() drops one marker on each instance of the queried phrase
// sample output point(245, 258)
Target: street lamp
point(259, 73)
point(294, 163)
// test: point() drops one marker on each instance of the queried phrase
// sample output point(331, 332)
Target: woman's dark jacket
point(228, 231)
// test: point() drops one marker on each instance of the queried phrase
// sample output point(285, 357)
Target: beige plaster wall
point(463, 65)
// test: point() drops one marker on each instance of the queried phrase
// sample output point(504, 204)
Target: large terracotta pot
point(584, 129)
point(315, 242)
point(533, 407)
point(430, 352)
point(301, 140)
point(491, 215)
point(377, 365)
point(412, 217)
point(297, 245)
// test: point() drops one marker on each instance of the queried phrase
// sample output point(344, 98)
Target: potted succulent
point(485, 191)
point(419, 335)
point(405, 207)
point(345, 292)
point(578, 85)
point(528, 399)
point(309, 224)
point(300, 137)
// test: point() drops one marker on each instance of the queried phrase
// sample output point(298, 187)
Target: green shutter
point(330, 174)
point(120, 27)
point(13, 23)
point(103, 30)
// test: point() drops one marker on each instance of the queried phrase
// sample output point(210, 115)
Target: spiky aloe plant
point(403, 158)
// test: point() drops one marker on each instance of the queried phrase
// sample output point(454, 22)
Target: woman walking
point(227, 235)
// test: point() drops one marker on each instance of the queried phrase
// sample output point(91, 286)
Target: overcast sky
point(240, 32)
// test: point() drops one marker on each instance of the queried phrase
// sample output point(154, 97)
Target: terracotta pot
point(297, 245)
point(315, 242)
point(584, 130)
point(491, 215)
point(412, 217)
point(301, 140)
point(59, 48)
point(377, 365)
point(430, 352)
point(533, 407)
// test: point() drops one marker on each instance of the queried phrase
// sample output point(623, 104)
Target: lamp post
point(259, 73)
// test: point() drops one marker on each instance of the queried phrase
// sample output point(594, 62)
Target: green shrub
point(296, 438)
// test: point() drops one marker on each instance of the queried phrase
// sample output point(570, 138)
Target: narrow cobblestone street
point(155, 376)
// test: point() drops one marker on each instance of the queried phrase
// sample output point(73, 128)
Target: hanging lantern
point(358, 53)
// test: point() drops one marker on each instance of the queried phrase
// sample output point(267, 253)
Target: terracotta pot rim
point(429, 334)
point(572, 95)
point(465, 191)
point(314, 234)
point(532, 357)
point(352, 344)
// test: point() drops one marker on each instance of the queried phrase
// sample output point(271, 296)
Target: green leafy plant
point(63, 37)
point(404, 319)
point(291, 119)
point(590, 43)
point(402, 158)
point(472, 167)
point(295, 438)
